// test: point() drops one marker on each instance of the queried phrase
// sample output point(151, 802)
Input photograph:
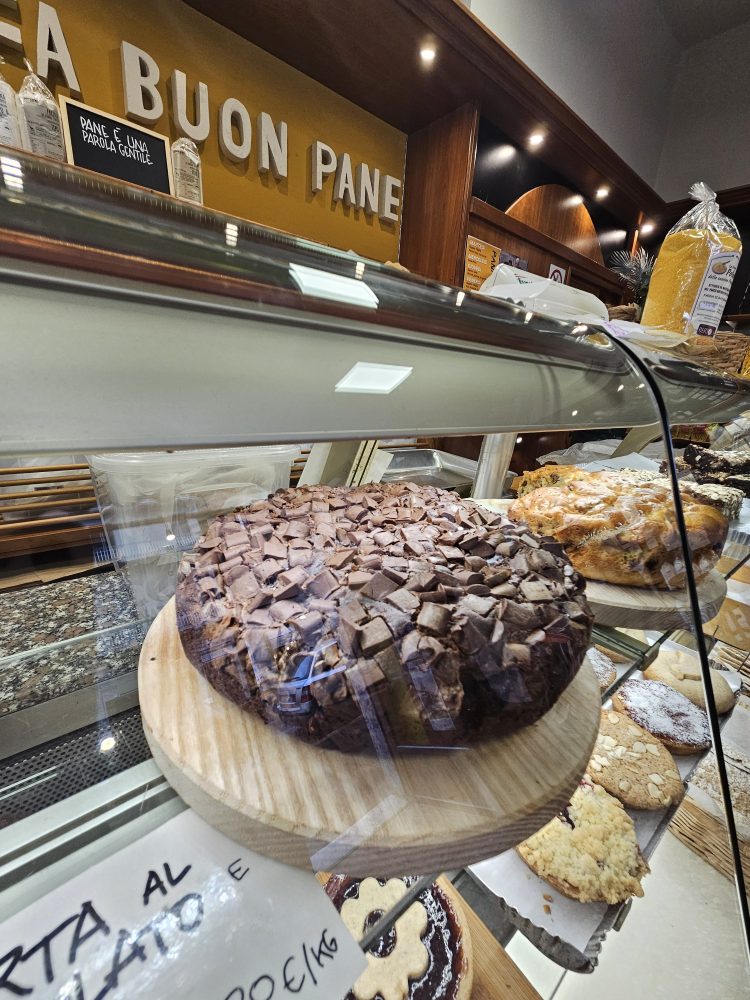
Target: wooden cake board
point(644, 607)
point(357, 814)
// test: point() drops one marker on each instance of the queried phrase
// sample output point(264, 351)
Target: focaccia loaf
point(617, 530)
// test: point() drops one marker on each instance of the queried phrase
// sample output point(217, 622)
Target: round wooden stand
point(356, 813)
point(642, 607)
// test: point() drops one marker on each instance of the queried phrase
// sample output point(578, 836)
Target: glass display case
point(327, 653)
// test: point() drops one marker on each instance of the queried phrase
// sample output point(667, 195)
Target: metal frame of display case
point(148, 309)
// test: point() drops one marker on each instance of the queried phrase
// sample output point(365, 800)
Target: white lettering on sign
point(368, 185)
point(52, 49)
point(233, 114)
point(272, 147)
point(324, 162)
point(197, 130)
point(140, 75)
point(361, 187)
point(183, 912)
point(372, 192)
point(388, 201)
point(343, 186)
point(10, 34)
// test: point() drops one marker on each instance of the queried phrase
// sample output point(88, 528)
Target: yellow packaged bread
point(694, 270)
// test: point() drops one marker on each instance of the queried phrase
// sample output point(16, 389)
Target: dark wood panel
point(368, 52)
point(499, 228)
point(437, 192)
point(556, 211)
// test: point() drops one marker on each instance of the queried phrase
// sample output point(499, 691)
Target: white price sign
point(183, 912)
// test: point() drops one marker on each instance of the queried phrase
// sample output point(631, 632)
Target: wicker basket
point(707, 838)
point(629, 314)
point(725, 352)
point(735, 346)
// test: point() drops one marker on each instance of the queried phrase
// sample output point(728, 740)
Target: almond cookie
point(589, 852)
point(632, 765)
point(668, 715)
point(603, 666)
point(682, 671)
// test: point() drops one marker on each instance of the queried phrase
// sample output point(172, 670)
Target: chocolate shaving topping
point(387, 615)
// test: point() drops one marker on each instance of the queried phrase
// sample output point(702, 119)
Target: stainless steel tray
point(429, 467)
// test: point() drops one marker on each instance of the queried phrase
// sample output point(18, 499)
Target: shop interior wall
point(649, 77)
point(708, 137)
point(612, 63)
point(178, 37)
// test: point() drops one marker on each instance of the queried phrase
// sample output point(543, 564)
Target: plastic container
point(10, 133)
point(543, 296)
point(155, 505)
point(186, 169)
point(41, 117)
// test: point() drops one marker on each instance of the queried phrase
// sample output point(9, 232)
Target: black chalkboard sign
point(116, 147)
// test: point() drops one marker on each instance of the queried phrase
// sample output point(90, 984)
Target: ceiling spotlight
point(601, 193)
point(427, 54)
point(646, 228)
point(536, 139)
point(501, 154)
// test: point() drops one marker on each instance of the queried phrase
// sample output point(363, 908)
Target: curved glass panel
point(262, 557)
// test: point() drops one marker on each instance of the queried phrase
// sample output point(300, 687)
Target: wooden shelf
point(490, 224)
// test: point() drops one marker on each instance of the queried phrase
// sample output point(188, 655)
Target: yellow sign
point(481, 260)
point(280, 149)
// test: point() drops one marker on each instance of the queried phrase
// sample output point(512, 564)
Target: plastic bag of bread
point(694, 270)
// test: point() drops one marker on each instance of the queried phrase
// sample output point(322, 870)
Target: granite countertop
point(69, 611)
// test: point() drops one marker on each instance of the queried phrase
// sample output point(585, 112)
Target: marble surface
point(56, 624)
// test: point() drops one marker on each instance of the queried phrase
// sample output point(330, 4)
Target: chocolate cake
point(388, 616)
point(706, 460)
point(435, 964)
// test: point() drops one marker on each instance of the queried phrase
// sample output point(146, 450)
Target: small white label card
point(183, 912)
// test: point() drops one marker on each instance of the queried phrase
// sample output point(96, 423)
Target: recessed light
point(427, 54)
point(501, 154)
point(620, 388)
point(574, 413)
point(367, 377)
point(601, 193)
point(536, 139)
point(646, 228)
point(107, 744)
